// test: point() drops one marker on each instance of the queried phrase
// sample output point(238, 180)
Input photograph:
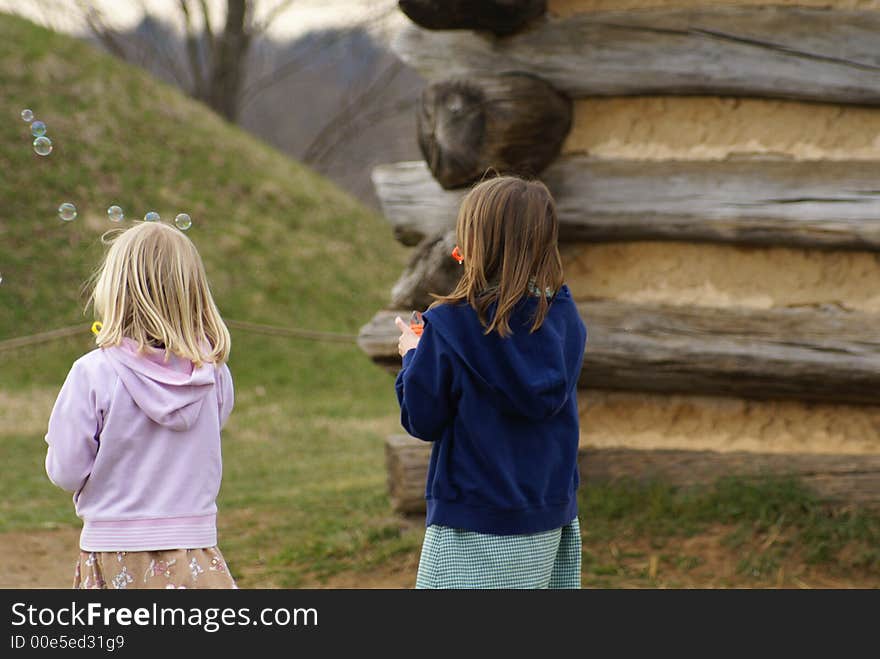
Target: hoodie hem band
point(193, 532)
point(500, 522)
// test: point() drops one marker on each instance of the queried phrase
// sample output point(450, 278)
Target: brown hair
point(507, 233)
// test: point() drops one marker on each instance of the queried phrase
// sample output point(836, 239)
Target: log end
point(513, 123)
point(501, 17)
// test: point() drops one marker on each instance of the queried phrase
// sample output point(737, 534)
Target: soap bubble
point(43, 146)
point(183, 221)
point(115, 214)
point(152, 216)
point(38, 128)
point(67, 211)
point(27, 115)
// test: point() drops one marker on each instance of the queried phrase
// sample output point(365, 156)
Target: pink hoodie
point(137, 441)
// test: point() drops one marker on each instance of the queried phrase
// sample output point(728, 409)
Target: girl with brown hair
point(491, 381)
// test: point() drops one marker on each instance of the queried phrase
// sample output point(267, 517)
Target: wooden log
point(406, 460)
point(403, 188)
point(431, 269)
point(780, 52)
point(824, 355)
point(406, 465)
point(827, 355)
point(512, 123)
point(839, 478)
point(498, 16)
point(828, 204)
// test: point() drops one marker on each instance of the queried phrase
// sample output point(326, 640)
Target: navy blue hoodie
point(503, 416)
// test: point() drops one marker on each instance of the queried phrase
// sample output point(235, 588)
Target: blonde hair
point(152, 288)
point(507, 233)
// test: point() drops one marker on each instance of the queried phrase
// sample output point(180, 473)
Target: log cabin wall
point(716, 128)
point(701, 128)
point(824, 269)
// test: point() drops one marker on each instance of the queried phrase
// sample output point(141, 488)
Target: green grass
point(768, 522)
point(280, 242)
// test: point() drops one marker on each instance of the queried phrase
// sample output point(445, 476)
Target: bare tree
point(291, 68)
point(228, 53)
point(216, 60)
point(355, 116)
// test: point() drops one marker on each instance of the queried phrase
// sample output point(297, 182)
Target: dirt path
point(47, 560)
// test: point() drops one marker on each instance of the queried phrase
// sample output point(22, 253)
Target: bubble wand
point(417, 323)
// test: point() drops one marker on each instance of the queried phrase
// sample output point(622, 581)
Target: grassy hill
point(282, 245)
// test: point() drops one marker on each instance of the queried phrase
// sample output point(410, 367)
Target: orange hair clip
point(456, 254)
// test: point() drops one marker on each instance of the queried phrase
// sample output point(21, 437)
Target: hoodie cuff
point(408, 357)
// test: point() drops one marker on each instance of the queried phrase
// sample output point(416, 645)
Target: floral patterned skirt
point(171, 568)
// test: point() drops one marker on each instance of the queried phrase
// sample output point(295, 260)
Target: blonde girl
point(491, 382)
point(135, 431)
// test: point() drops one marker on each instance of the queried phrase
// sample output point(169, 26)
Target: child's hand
point(408, 339)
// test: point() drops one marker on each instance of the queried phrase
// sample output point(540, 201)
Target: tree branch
point(275, 12)
point(296, 65)
point(192, 51)
point(209, 30)
point(357, 104)
point(159, 50)
point(99, 29)
point(371, 118)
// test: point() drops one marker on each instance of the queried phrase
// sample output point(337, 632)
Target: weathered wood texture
point(431, 269)
point(378, 338)
point(406, 467)
point(512, 123)
point(812, 204)
point(783, 52)
point(498, 16)
point(406, 462)
point(850, 478)
point(824, 355)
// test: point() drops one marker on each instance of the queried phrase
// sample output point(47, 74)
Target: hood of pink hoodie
point(170, 393)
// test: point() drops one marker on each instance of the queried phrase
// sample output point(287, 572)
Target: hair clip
point(96, 327)
point(456, 254)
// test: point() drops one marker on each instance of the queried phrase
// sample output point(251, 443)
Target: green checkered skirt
point(454, 558)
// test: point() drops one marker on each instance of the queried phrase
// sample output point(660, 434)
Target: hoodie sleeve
point(74, 428)
point(424, 388)
point(225, 393)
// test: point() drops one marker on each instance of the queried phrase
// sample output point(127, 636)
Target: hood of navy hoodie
point(170, 393)
point(532, 374)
